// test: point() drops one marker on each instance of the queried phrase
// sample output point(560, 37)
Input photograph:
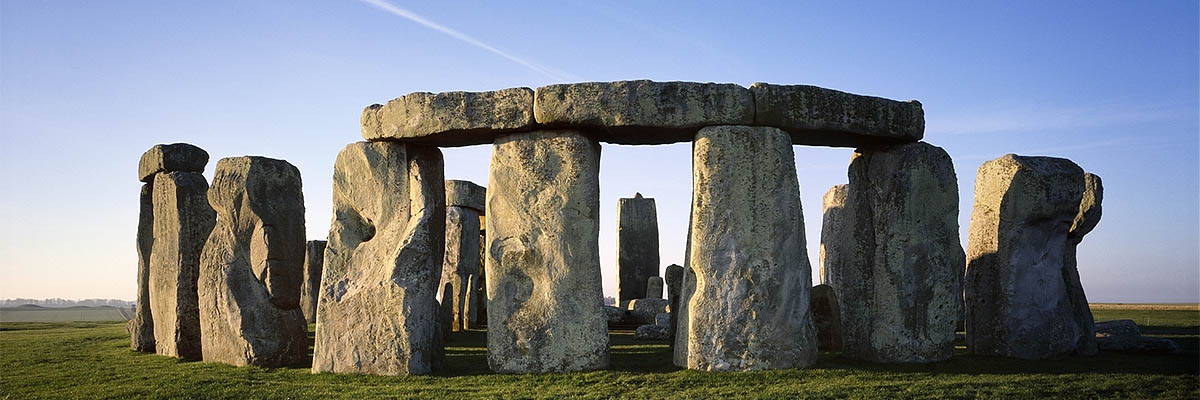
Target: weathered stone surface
point(674, 283)
point(643, 112)
point(176, 157)
point(837, 224)
point(643, 311)
point(1085, 221)
point(183, 219)
point(451, 118)
point(252, 266)
point(141, 326)
point(471, 302)
point(663, 319)
point(637, 246)
point(310, 288)
point(654, 288)
point(615, 316)
point(378, 307)
point(652, 333)
point(465, 194)
point(1016, 297)
point(899, 272)
point(460, 262)
point(1124, 335)
point(748, 308)
point(826, 117)
point(543, 265)
point(827, 317)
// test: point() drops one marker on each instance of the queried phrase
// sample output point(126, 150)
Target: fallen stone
point(644, 311)
point(183, 220)
point(450, 119)
point(378, 307)
point(543, 264)
point(637, 246)
point(615, 316)
point(749, 306)
point(1017, 301)
point(654, 288)
point(652, 333)
point(826, 317)
point(1085, 220)
point(826, 117)
point(642, 111)
point(252, 266)
point(663, 319)
point(1124, 335)
point(177, 157)
point(310, 288)
point(141, 326)
point(461, 260)
point(465, 194)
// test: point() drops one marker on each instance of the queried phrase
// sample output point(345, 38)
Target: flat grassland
point(93, 360)
point(32, 313)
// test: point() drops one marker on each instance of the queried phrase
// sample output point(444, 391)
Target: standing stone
point(837, 223)
point(472, 302)
point(637, 246)
point(310, 289)
point(749, 306)
point(1085, 221)
point(141, 327)
point(252, 267)
point(464, 201)
point(182, 221)
point(827, 317)
point(1018, 304)
point(545, 310)
point(654, 288)
point(897, 265)
point(378, 307)
point(674, 283)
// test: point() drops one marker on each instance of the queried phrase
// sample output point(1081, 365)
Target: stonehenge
point(637, 247)
point(464, 206)
point(141, 326)
point(252, 267)
point(654, 288)
point(827, 317)
point(310, 287)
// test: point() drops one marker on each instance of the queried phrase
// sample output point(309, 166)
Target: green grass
point(88, 360)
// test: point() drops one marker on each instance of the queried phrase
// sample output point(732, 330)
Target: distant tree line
point(57, 302)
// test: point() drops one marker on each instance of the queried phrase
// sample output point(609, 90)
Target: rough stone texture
point(663, 319)
point(652, 333)
point(827, 317)
point(643, 311)
point(837, 221)
point(674, 283)
point(310, 288)
point(450, 118)
point(637, 246)
point(252, 266)
point(1017, 301)
point(141, 326)
point(378, 308)
point(748, 306)
point(465, 194)
point(176, 157)
point(615, 316)
point(182, 221)
point(543, 264)
point(1124, 335)
point(643, 112)
point(471, 302)
point(894, 257)
point(654, 288)
point(460, 262)
point(1085, 221)
point(826, 117)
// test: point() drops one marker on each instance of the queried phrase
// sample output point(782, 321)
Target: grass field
point(32, 313)
point(89, 360)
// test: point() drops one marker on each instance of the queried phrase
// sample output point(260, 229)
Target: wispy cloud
point(411, 16)
point(1050, 118)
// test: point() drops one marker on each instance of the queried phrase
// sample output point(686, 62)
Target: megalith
point(748, 308)
point(183, 220)
point(252, 267)
point(141, 326)
point(310, 287)
point(377, 312)
point(464, 205)
point(827, 317)
point(545, 310)
point(674, 281)
point(1085, 221)
point(1017, 297)
point(654, 287)
point(893, 254)
point(637, 246)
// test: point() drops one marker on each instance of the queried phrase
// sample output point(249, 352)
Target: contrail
point(409, 15)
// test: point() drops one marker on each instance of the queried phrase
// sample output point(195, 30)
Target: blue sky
point(86, 87)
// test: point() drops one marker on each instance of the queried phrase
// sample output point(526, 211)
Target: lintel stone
point(450, 119)
point(826, 117)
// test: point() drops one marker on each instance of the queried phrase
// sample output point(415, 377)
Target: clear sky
point(86, 87)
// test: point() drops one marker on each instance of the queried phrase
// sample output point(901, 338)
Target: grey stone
point(471, 302)
point(1017, 301)
point(543, 264)
point(826, 117)
point(446, 310)
point(643, 311)
point(451, 118)
point(176, 157)
point(674, 283)
point(310, 288)
point(460, 262)
point(1124, 335)
point(900, 278)
point(252, 266)
point(838, 248)
point(378, 307)
point(637, 246)
point(1085, 221)
point(654, 288)
point(652, 333)
point(615, 316)
point(642, 111)
point(827, 317)
point(141, 326)
point(663, 319)
point(746, 306)
point(465, 194)
point(183, 220)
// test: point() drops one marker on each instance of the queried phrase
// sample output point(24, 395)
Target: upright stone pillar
point(545, 311)
point(310, 288)
point(1085, 221)
point(378, 308)
point(654, 288)
point(182, 221)
point(141, 327)
point(637, 246)
point(749, 307)
point(893, 255)
point(464, 205)
point(674, 283)
point(252, 267)
point(1017, 296)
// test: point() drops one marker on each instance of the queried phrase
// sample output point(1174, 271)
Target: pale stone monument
point(464, 205)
